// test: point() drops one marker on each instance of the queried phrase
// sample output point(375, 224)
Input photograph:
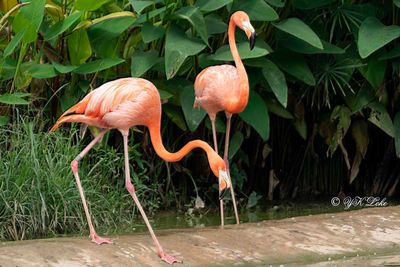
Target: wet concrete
point(367, 237)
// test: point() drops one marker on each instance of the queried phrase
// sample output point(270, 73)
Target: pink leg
point(214, 132)
point(74, 166)
point(131, 189)
point(226, 159)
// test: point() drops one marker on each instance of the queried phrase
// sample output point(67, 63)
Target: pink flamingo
point(121, 104)
point(226, 88)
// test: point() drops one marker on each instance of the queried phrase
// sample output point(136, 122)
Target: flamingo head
point(218, 167)
point(242, 20)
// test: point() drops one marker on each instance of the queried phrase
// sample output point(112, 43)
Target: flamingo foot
point(99, 240)
point(168, 258)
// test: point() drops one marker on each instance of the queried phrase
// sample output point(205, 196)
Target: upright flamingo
point(121, 104)
point(226, 88)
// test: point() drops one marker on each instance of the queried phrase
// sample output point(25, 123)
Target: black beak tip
point(253, 40)
point(222, 193)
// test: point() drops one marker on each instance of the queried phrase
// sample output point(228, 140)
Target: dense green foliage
point(323, 115)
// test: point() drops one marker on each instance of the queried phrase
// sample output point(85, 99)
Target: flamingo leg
point(214, 132)
point(131, 189)
point(74, 166)
point(226, 159)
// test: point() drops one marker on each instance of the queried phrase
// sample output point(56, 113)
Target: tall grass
point(38, 194)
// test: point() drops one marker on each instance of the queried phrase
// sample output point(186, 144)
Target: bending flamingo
point(226, 88)
point(121, 104)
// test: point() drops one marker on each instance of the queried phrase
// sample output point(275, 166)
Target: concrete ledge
point(294, 241)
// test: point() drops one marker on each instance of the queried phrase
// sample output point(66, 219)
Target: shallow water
point(211, 217)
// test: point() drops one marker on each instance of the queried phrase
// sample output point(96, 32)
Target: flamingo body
point(217, 89)
point(120, 104)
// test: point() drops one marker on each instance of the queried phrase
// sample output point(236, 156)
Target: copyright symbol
point(335, 201)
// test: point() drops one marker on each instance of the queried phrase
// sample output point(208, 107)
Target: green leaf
point(394, 53)
point(13, 43)
point(98, 65)
point(276, 108)
point(178, 47)
point(143, 61)
point(256, 114)
point(397, 133)
point(300, 126)
point(380, 117)
point(62, 26)
point(42, 71)
point(235, 143)
point(373, 35)
point(64, 68)
point(3, 120)
point(276, 80)
point(374, 71)
point(215, 25)
point(164, 95)
point(79, 47)
point(224, 53)
point(193, 116)
point(295, 65)
point(151, 33)
point(175, 115)
point(299, 29)
point(364, 96)
point(310, 4)
point(139, 6)
point(109, 28)
point(397, 3)
point(149, 15)
point(194, 16)
point(89, 5)
point(276, 3)
point(297, 45)
point(207, 5)
point(13, 99)
point(28, 19)
point(258, 10)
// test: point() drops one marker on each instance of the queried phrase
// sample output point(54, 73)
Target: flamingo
point(226, 88)
point(121, 104)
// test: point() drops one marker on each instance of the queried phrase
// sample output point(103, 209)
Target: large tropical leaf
point(299, 29)
point(28, 19)
point(194, 16)
point(143, 61)
point(256, 114)
point(207, 5)
point(151, 33)
point(62, 26)
point(193, 116)
point(276, 80)
point(98, 65)
point(295, 65)
point(79, 47)
point(224, 53)
point(14, 99)
point(89, 5)
point(178, 47)
point(311, 4)
point(373, 35)
point(256, 9)
point(380, 117)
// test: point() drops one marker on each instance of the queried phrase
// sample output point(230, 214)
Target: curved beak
point(224, 183)
point(252, 40)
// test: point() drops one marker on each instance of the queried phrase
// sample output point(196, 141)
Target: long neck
point(158, 145)
point(244, 81)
